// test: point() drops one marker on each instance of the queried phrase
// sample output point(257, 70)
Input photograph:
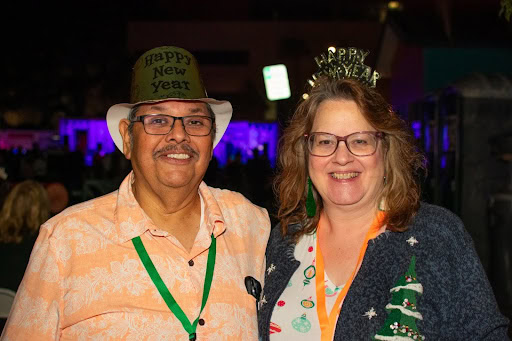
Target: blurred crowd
point(36, 184)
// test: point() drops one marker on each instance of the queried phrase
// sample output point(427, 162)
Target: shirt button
point(201, 322)
point(191, 262)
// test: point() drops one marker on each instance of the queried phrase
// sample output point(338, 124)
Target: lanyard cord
point(328, 322)
point(164, 292)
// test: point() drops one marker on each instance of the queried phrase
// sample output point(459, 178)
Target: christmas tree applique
point(401, 322)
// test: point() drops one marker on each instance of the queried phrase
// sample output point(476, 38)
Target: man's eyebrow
point(196, 110)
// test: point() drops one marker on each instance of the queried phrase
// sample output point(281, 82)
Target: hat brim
point(222, 110)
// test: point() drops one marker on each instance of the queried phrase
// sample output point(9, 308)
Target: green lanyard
point(164, 292)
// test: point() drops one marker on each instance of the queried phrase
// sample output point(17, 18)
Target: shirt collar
point(212, 212)
point(131, 220)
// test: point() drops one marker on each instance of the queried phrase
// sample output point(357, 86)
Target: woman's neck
point(339, 221)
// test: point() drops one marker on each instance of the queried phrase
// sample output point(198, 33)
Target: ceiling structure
point(63, 50)
point(425, 22)
point(432, 22)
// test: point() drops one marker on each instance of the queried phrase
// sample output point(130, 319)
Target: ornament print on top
point(294, 316)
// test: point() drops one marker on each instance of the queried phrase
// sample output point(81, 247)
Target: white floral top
point(294, 316)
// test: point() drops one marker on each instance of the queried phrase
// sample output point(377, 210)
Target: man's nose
point(177, 132)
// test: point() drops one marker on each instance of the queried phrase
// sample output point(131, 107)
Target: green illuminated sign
point(277, 85)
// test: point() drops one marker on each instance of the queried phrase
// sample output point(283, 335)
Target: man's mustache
point(176, 148)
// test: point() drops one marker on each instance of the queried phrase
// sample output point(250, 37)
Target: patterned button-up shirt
point(86, 281)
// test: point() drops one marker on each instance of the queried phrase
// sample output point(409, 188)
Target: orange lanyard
point(328, 322)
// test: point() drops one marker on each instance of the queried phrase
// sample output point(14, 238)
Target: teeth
point(179, 156)
point(343, 176)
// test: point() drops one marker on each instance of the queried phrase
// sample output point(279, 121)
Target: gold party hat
point(345, 62)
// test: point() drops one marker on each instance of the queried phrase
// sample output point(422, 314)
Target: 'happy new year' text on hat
point(167, 73)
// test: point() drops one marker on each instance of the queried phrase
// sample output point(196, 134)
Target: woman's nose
point(342, 155)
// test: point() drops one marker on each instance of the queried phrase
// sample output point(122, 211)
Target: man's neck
point(177, 211)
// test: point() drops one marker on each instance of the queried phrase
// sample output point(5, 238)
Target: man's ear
point(127, 144)
point(211, 153)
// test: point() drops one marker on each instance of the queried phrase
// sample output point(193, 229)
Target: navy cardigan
point(457, 301)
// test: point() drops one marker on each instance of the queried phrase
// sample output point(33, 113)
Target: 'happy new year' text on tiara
point(345, 62)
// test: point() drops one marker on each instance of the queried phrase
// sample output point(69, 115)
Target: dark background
point(446, 67)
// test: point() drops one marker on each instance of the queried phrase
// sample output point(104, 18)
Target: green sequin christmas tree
point(403, 313)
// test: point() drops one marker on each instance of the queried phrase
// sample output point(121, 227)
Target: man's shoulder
point(240, 212)
point(97, 207)
point(225, 197)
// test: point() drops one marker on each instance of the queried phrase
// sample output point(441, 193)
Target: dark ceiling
point(424, 22)
point(54, 52)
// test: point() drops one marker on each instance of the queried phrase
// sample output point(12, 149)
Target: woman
point(361, 258)
point(24, 210)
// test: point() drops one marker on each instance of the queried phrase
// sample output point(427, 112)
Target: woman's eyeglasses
point(363, 143)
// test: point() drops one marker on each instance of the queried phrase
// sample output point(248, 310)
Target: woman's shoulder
point(432, 219)
point(276, 235)
point(436, 214)
point(436, 230)
point(278, 242)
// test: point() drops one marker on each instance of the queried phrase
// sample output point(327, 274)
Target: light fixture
point(394, 5)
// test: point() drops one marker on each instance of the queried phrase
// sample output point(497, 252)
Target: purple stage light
point(416, 127)
point(243, 137)
point(240, 137)
point(93, 132)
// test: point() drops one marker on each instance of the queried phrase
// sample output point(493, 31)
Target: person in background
point(4, 184)
point(166, 256)
point(24, 210)
point(356, 255)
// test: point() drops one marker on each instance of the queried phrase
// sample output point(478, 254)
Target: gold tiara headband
point(345, 62)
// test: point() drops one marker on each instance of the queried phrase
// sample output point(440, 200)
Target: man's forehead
point(182, 106)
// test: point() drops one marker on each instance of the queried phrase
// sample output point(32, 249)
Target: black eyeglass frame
point(174, 118)
point(378, 134)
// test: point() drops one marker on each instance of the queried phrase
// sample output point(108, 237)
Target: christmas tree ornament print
point(309, 274)
point(400, 324)
point(280, 304)
point(330, 293)
point(274, 328)
point(301, 324)
point(307, 303)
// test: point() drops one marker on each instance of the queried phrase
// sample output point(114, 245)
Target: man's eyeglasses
point(158, 124)
point(363, 143)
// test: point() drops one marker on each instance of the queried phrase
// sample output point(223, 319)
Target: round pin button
point(201, 322)
point(191, 262)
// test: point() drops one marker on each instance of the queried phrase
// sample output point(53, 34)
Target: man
point(164, 257)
